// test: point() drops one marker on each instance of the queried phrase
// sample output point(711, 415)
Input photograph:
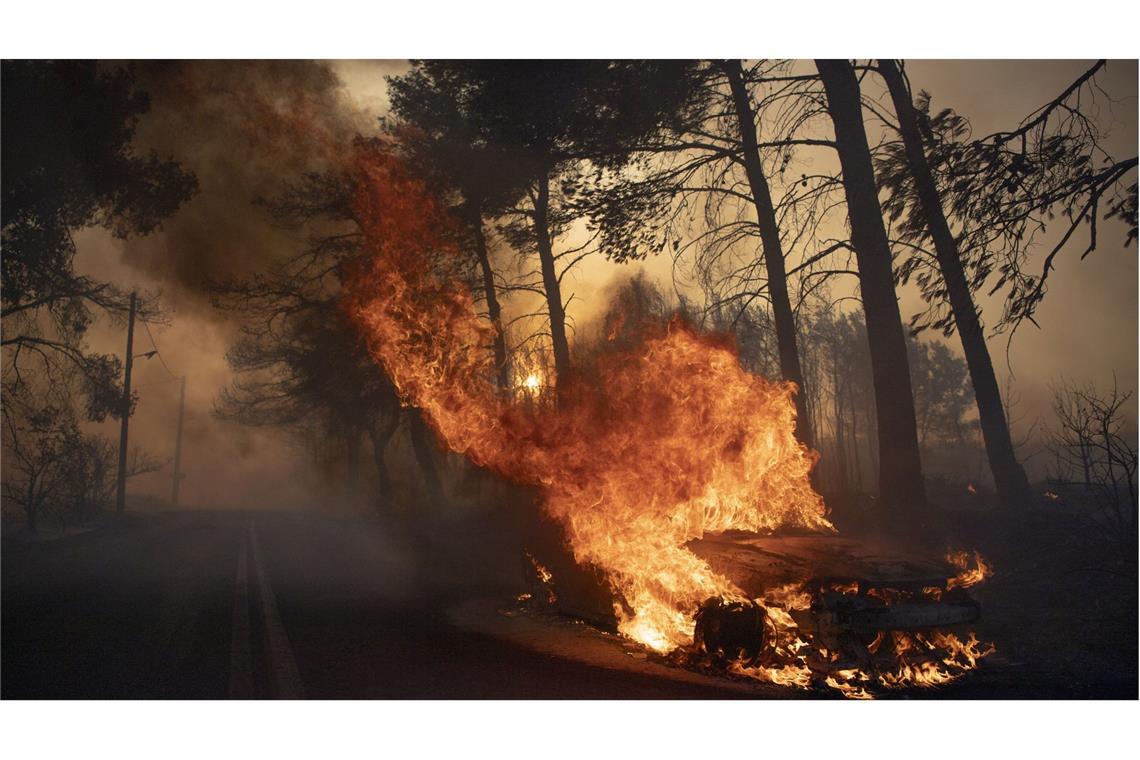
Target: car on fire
point(850, 600)
point(816, 607)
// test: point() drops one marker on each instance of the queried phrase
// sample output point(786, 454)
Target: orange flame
point(668, 441)
point(953, 658)
point(544, 578)
point(971, 573)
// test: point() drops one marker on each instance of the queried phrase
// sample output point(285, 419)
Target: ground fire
point(664, 446)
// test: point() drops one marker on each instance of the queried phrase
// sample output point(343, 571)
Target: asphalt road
point(217, 605)
point(222, 605)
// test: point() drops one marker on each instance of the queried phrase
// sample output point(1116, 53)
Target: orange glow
point(712, 448)
point(972, 573)
point(921, 662)
point(664, 442)
point(544, 575)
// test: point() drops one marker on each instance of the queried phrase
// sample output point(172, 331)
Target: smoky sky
point(245, 129)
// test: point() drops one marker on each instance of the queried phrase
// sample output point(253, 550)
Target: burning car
point(845, 609)
point(807, 610)
point(666, 442)
point(812, 609)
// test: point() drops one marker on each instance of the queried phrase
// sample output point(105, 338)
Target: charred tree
point(1009, 475)
point(901, 487)
point(842, 482)
point(550, 281)
point(773, 248)
point(490, 293)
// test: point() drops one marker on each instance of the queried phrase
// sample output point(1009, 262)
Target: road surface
point(262, 605)
point(255, 605)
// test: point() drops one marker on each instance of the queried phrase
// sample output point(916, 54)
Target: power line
point(154, 345)
point(156, 382)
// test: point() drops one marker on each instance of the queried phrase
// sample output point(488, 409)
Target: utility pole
point(178, 447)
point(121, 495)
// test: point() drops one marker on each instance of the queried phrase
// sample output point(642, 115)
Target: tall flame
point(664, 442)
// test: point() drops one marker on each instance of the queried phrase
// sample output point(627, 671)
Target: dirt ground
point(1061, 606)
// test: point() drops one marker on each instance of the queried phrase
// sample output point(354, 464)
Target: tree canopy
point(70, 163)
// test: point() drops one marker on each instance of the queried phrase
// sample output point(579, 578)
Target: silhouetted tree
point(901, 486)
point(1001, 192)
point(34, 455)
point(433, 129)
point(1014, 183)
point(1096, 459)
point(837, 366)
point(942, 393)
point(1009, 476)
point(549, 122)
point(705, 185)
point(306, 368)
point(69, 163)
point(300, 360)
point(773, 252)
point(52, 467)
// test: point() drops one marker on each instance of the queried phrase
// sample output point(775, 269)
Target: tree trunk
point(842, 483)
point(782, 314)
point(423, 447)
point(871, 439)
point(380, 433)
point(901, 487)
point(858, 463)
point(494, 311)
point(1009, 475)
point(550, 281)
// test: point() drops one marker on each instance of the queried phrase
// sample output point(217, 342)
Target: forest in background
point(793, 199)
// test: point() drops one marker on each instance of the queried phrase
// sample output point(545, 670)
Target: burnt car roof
point(758, 562)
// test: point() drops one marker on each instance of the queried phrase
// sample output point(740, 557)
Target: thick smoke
point(246, 129)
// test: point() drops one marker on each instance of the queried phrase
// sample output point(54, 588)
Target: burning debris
point(669, 442)
point(861, 616)
point(543, 578)
point(971, 573)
